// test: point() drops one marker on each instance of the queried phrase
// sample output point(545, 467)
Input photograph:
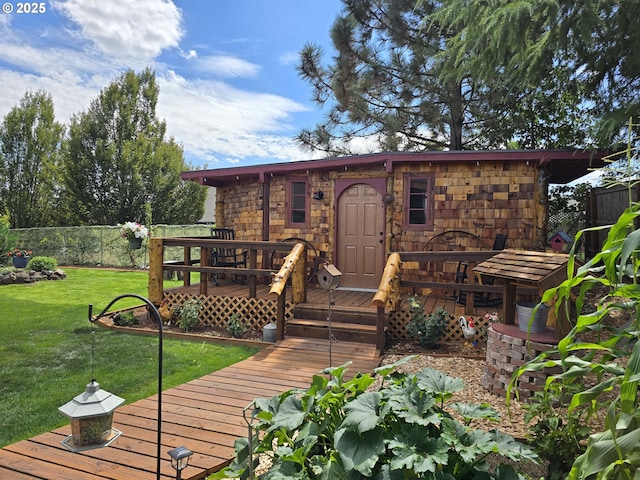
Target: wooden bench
point(226, 256)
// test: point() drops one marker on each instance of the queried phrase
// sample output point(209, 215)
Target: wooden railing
point(391, 285)
point(197, 258)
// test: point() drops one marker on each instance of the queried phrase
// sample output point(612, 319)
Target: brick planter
point(509, 348)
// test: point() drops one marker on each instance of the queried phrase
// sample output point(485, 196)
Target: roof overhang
point(565, 165)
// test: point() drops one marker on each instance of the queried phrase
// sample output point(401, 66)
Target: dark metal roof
point(566, 165)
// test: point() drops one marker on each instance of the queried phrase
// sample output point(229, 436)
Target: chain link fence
point(100, 245)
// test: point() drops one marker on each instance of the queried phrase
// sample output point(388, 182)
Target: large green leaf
point(603, 451)
point(438, 384)
point(407, 401)
point(471, 411)
point(432, 453)
point(359, 452)
point(363, 413)
point(290, 414)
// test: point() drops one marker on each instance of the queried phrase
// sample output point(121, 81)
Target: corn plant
point(613, 360)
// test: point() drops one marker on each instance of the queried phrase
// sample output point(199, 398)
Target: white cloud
point(227, 66)
point(289, 58)
point(215, 122)
point(211, 116)
point(121, 28)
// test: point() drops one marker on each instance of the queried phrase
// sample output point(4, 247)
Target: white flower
point(131, 230)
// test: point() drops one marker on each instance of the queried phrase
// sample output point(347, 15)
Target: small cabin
point(356, 210)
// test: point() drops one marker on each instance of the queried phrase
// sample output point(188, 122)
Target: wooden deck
point(204, 415)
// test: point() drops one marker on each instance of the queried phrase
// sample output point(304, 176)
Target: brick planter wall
point(509, 348)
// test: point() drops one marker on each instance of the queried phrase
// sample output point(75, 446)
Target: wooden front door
point(360, 236)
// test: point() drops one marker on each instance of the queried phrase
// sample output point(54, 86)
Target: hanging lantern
point(91, 415)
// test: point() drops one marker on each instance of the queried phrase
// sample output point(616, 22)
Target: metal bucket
point(269, 333)
point(539, 323)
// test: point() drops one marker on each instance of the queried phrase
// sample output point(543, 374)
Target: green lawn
point(45, 350)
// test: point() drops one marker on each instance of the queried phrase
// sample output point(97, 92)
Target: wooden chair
point(226, 256)
point(480, 299)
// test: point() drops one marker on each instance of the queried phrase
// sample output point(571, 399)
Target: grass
point(46, 343)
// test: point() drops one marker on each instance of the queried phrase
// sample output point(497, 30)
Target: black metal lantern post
point(156, 314)
point(180, 459)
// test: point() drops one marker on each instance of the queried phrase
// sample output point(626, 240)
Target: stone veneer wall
point(506, 352)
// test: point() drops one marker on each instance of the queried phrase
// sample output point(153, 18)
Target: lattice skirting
point(398, 321)
point(505, 354)
point(252, 313)
point(255, 313)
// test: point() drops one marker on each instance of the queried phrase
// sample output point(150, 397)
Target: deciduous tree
point(30, 140)
point(118, 159)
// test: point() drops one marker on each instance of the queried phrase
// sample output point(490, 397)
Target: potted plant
point(134, 232)
point(20, 257)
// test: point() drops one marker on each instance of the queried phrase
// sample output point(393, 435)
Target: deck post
point(298, 278)
point(205, 261)
point(280, 311)
point(156, 259)
point(251, 279)
point(186, 260)
point(380, 334)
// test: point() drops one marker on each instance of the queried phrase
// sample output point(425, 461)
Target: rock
point(8, 279)
point(23, 277)
point(57, 274)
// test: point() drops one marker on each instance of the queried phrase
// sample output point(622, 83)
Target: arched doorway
point(360, 233)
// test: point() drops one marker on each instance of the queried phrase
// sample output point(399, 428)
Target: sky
point(229, 90)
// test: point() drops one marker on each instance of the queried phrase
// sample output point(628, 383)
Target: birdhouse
point(559, 241)
point(329, 277)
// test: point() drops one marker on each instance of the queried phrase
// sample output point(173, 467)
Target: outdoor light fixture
point(91, 412)
point(180, 459)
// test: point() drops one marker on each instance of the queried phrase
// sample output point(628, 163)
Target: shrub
point(187, 314)
point(125, 319)
point(556, 435)
point(346, 429)
point(42, 264)
point(427, 329)
point(7, 238)
point(234, 327)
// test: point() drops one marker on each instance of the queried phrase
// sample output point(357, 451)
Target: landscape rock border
point(31, 276)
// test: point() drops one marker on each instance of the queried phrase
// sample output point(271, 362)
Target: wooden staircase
point(348, 324)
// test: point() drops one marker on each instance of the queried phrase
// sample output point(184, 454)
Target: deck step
point(347, 332)
point(339, 314)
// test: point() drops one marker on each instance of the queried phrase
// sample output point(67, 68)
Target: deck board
point(205, 415)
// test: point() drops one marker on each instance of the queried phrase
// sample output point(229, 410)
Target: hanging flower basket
point(134, 232)
point(135, 243)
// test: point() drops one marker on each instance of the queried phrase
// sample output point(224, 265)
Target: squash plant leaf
point(437, 383)
point(432, 452)
point(363, 413)
point(290, 414)
point(359, 452)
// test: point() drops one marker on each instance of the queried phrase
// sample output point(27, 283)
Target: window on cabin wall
point(418, 201)
point(297, 203)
